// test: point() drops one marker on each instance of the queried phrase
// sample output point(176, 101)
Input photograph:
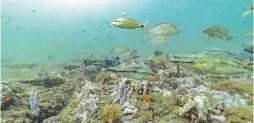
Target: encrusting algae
point(234, 87)
point(239, 114)
point(111, 113)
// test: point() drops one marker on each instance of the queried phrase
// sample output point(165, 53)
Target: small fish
point(159, 40)
point(119, 50)
point(7, 98)
point(250, 11)
point(34, 10)
point(127, 23)
point(161, 32)
point(158, 52)
point(217, 32)
point(55, 43)
point(248, 47)
point(96, 39)
point(51, 57)
point(124, 14)
point(9, 19)
point(249, 33)
point(163, 29)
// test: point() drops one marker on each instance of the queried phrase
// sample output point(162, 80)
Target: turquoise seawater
point(84, 26)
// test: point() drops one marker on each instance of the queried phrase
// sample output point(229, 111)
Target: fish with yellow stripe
point(127, 23)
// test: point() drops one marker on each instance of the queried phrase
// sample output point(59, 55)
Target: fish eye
point(174, 27)
point(115, 20)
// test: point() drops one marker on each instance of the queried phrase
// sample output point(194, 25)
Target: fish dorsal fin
point(160, 24)
point(128, 20)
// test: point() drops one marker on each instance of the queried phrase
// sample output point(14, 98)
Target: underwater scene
point(126, 61)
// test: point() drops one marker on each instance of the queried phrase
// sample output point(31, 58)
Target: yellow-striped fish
point(127, 23)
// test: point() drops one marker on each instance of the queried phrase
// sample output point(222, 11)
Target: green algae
point(159, 108)
point(16, 116)
point(220, 65)
point(234, 87)
point(111, 113)
point(239, 114)
point(21, 65)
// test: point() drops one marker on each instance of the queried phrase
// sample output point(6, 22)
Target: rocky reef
point(156, 89)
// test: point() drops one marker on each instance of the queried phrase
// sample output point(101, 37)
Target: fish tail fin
point(247, 12)
point(229, 38)
point(145, 29)
point(144, 25)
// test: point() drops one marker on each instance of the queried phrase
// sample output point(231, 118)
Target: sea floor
point(153, 90)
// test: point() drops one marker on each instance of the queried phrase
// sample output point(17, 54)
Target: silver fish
point(163, 29)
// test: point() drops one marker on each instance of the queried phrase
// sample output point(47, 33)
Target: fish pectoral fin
point(220, 38)
point(229, 38)
point(159, 40)
point(216, 38)
point(122, 26)
point(206, 37)
point(164, 38)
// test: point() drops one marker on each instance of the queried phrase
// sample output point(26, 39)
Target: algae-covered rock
point(19, 115)
point(53, 100)
point(220, 65)
point(9, 88)
point(239, 114)
point(61, 119)
point(111, 113)
point(21, 65)
point(148, 115)
point(91, 72)
point(70, 67)
point(234, 87)
point(10, 94)
point(243, 56)
point(234, 119)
